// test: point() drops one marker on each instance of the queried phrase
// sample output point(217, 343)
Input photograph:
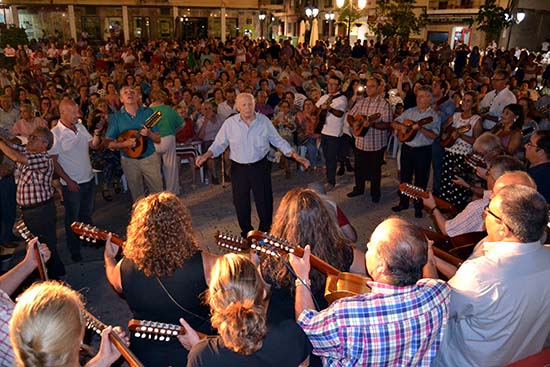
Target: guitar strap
point(177, 304)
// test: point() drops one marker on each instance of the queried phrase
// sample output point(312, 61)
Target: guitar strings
point(289, 268)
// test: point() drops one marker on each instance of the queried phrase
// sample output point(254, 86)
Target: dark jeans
point(79, 207)
point(7, 207)
point(255, 177)
point(415, 162)
point(368, 166)
point(330, 146)
point(41, 222)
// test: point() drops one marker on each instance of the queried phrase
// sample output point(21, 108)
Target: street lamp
point(361, 4)
point(262, 16)
point(311, 12)
point(520, 16)
point(330, 18)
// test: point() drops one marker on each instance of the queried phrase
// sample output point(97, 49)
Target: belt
point(37, 205)
point(249, 164)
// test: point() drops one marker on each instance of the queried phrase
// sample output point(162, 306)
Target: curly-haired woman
point(238, 300)
point(162, 273)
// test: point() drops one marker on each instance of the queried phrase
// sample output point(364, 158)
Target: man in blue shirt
point(146, 167)
point(249, 135)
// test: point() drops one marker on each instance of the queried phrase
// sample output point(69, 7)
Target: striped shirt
point(34, 179)
point(374, 139)
point(6, 310)
point(391, 326)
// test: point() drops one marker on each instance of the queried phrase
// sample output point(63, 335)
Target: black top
point(284, 345)
point(541, 175)
point(148, 301)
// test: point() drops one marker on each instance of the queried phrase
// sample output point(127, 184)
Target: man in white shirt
point(70, 152)
point(500, 301)
point(228, 107)
point(497, 99)
point(331, 110)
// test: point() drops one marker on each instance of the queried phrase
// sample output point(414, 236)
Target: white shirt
point(496, 102)
point(225, 110)
point(500, 306)
point(334, 126)
point(73, 152)
point(248, 144)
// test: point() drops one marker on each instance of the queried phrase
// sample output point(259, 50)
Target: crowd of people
point(473, 121)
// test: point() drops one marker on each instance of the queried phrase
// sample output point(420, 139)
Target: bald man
point(70, 152)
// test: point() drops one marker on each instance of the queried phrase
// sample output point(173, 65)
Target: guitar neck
point(42, 270)
point(117, 341)
point(445, 256)
point(317, 263)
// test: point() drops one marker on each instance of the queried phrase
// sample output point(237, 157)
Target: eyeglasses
point(529, 144)
point(488, 211)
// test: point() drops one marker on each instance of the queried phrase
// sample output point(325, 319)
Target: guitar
point(28, 236)
point(475, 161)
point(94, 324)
point(484, 113)
point(361, 124)
point(141, 142)
point(454, 250)
point(447, 139)
point(92, 234)
point(418, 193)
point(324, 112)
point(405, 132)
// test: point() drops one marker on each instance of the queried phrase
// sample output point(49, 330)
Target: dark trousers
point(79, 207)
point(415, 162)
point(368, 166)
point(437, 163)
point(330, 146)
point(7, 207)
point(41, 222)
point(255, 177)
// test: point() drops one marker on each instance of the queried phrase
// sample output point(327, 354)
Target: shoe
point(329, 187)
point(375, 199)
point(76, 258)
point(418, 212)
point(399, 207)
point(354, 193)
point(341, 171)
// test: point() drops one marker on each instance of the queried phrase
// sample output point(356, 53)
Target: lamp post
point(517, 19)
point(330, 18)
point(361, 4)
point(311, 13)
point(261, 17)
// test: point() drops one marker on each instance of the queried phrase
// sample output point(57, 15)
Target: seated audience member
point(238, 300)
point(470, 220)
point(9, 282)
point(537, 152)
point(47, 328)
point(399, 323)
point(500, 304)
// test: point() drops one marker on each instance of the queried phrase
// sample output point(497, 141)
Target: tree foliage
point(492, 19)
point(396, 18)
point(12, 35)
point(348, 13)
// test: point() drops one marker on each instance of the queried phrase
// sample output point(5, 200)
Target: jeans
point(79, 207)
point(7, 207)
point(330, 146)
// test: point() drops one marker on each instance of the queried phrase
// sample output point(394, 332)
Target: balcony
point(454, 4)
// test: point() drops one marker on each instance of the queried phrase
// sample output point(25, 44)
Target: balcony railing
point(455, 4)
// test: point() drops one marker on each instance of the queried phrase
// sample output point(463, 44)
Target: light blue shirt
point(248, 144)
point(421, 140)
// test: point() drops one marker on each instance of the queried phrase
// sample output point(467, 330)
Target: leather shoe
point(354, 193)
point(399, 207)
point(341, 171)
point(418, 212)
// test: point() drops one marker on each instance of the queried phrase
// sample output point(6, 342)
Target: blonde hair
point(160, 235)
point(47, 327)
point(237, 299)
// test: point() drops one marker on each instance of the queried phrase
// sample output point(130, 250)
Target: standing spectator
point(28, 123)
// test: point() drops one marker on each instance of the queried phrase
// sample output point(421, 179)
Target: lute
point(360, 124)
point(405, 131)
point(447, 139)
point(92, 234)
point(28, 236)
point(141, 142)
point(415, 192)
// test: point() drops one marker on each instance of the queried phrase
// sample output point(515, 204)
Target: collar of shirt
point(487, 194)
point(388, 289)
point(499, 249)
point(64, 129)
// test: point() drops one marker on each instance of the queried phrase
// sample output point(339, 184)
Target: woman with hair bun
point(238, 301)
point(47, 328)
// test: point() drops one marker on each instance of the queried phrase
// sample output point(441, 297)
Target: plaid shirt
point(391, 326)
point(34, 179)
point(374, 139)
point(6, 310)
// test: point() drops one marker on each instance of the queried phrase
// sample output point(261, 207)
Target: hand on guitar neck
point(418, 193)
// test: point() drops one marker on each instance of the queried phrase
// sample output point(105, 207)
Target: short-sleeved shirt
point(334, 126)
point(284, 345)
point(496, 103)
point(122, 121)
point(421, 140)
point(6, 310)
point(374, 139)
point(34, 179)
point(170, 120)
point(391, 326)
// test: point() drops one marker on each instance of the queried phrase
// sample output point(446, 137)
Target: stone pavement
point(212, 210)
